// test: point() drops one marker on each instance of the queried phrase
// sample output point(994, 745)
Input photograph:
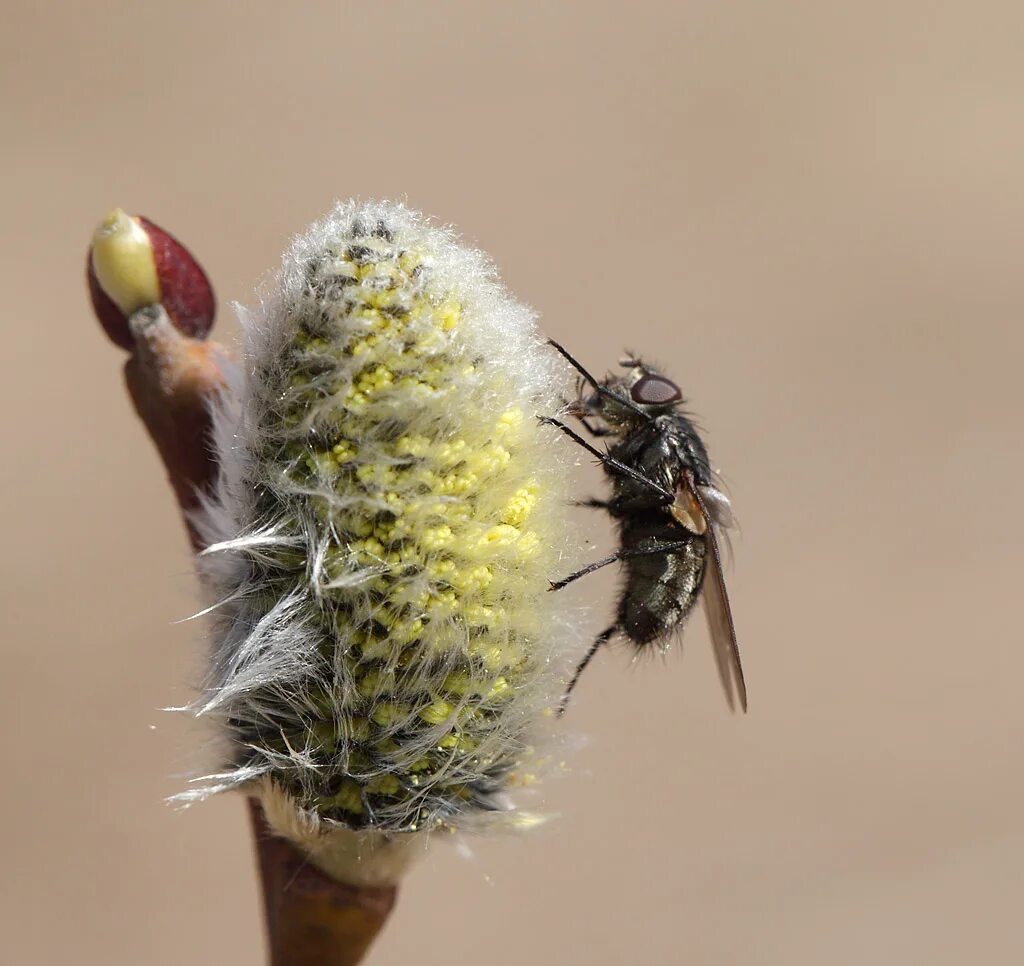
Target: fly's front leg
point(579, 411)
point(599, 432)
point(665, 496)
point(601, 389)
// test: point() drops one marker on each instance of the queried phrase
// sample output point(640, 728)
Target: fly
point(670, 514)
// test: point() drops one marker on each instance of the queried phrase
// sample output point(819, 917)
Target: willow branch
point(172, 378)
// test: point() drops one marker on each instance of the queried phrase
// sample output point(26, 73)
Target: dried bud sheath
point(385, 651)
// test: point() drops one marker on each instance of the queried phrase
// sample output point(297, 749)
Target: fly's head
point(638, 394)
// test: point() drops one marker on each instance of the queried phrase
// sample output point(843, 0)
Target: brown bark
point(310, 917)
point(172, 380)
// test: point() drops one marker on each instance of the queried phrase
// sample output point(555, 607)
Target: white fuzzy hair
point(382, 469)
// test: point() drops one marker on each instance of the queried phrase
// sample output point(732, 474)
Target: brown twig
point(310, 917)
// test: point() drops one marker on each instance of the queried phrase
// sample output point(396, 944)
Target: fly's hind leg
point(599, 642)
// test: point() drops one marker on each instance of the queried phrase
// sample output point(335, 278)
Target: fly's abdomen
point(661, 588)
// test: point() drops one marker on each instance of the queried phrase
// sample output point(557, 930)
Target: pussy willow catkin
point(385, 652)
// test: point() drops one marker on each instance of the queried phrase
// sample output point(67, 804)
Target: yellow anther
point(386, 713)
point(438, 712)
point(383, 785)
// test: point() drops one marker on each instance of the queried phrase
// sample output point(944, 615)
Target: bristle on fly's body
point(385, 655)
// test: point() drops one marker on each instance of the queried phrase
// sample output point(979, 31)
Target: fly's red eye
point(655, 391)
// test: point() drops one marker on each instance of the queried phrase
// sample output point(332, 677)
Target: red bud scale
point(134, 263)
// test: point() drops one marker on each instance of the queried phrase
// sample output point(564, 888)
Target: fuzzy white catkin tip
point(385, 654)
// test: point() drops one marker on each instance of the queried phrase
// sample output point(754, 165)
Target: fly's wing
point(717, 610)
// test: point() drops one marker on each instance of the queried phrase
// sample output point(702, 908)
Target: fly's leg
point(601, 390)
point(592, 504)
point(673, 547)
point(577, 410)
point(601, 640)
point(610, 461)
point(597, 431)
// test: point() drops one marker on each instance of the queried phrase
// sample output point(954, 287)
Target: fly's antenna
point(601, 390)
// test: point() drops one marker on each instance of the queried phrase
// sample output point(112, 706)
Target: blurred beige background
point(829, 200)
